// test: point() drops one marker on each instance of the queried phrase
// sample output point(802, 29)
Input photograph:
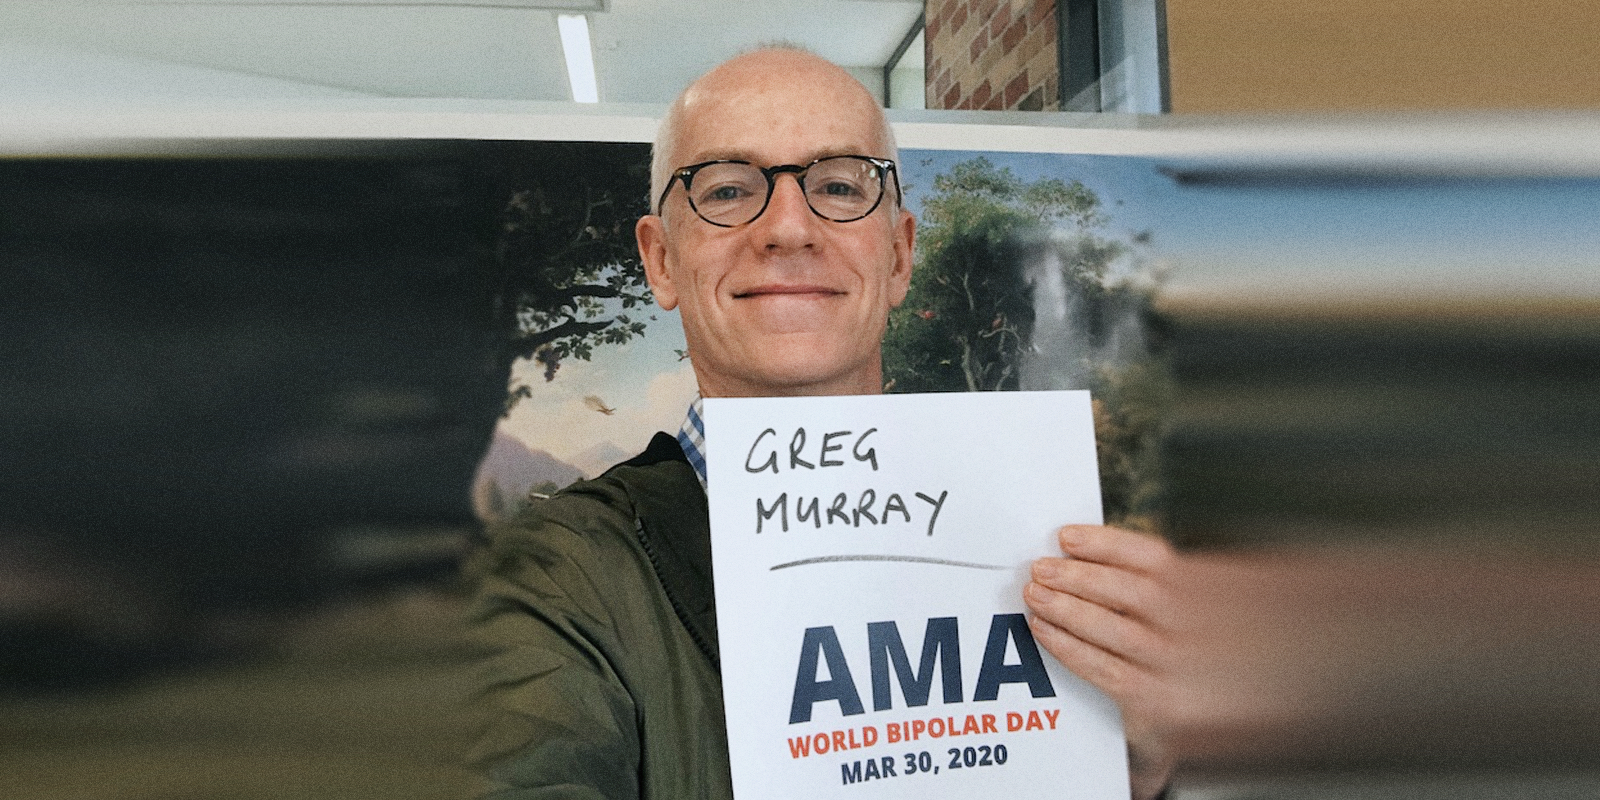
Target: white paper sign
point(869, 556)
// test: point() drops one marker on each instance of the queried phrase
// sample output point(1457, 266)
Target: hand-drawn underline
point(913, 559)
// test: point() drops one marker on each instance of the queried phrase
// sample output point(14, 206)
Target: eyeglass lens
point(841, 189)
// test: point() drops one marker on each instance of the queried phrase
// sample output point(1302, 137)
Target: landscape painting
point(1033, 271)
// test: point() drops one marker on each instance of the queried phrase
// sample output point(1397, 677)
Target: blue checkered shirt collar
point(692, 438)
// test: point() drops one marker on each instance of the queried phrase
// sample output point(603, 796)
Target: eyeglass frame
point(685, 175)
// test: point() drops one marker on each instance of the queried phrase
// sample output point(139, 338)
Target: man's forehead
point(763, 128)
point(713, 153)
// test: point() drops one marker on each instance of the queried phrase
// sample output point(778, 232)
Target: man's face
point(791, 303)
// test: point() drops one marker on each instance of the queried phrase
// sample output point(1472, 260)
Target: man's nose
point(788, 220)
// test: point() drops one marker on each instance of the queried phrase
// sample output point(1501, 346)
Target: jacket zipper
point(672, 599)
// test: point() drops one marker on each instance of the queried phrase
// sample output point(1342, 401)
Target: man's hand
point(1107, 612)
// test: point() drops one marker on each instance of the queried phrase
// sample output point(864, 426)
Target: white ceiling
point(645, 50)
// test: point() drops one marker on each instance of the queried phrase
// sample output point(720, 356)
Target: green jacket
point(596, 605)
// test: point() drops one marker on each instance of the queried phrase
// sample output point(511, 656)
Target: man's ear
point(905, 241)
point(651, 234)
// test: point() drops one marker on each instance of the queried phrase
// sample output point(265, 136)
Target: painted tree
point(969, 316)
point(571, 278)
point(996, 251)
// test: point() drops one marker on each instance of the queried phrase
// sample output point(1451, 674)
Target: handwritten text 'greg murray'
point(843, 508)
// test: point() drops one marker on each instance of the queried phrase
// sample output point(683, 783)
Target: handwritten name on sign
point(870, 554)
point(842, 508)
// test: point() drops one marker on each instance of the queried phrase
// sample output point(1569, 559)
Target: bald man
point(780, 235)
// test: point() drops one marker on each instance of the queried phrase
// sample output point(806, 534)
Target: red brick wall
point(992, 54)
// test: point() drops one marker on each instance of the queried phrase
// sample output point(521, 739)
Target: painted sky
point(644, 380)
point(1416, 235)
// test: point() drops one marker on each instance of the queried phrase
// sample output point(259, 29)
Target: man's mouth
point(776, 290)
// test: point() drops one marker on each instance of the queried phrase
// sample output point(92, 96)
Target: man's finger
point(1093, 624)
point(1112, 587)
point(1106, 671)
point(1102, 544)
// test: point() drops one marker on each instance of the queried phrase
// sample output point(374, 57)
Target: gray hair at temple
point(661, 165)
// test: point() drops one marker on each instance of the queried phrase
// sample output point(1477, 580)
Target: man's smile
point(787, 289)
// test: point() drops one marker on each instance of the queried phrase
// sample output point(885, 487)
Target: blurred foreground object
point(1387, 420)
point(1375, 658)
point(1392, 509)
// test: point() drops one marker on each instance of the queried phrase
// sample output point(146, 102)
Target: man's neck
point(865, 382)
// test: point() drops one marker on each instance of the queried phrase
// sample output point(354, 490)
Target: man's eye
point(726, 193)
point(840, 189)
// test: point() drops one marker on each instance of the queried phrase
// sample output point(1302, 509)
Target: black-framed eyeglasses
point(732, 193)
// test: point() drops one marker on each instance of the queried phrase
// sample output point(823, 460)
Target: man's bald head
point(770, 69)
